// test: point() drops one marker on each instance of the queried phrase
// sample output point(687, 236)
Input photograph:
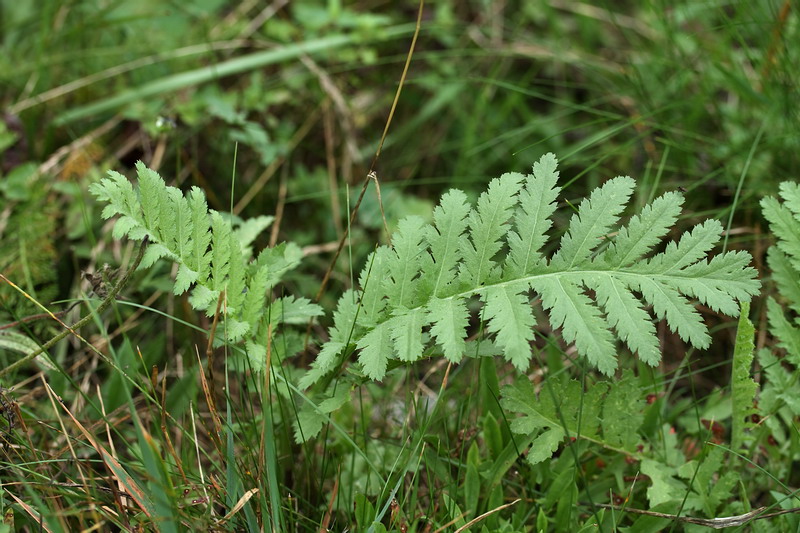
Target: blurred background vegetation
point(700, 96)
point(278, 107)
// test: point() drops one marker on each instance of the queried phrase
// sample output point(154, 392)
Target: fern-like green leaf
point(373, 279)
point(450, 319)
point(788, 334)
point(784, 260)
point(152, 196)
point(592, 223)
point(220, 251)
point(598, 287)
point(644, 231)
point(487, 226)
point(201, 235)
point(625, 314)
point(532, 221)
point(446, 242)
point(211, 256)
point(581, 321)
point(235, 291)
point(376, 348)
point(182, 238)
point(784, 225)
point(511, 320)
point(785, 276)
point(406, 332)
point(340, 336)
point(405, 260)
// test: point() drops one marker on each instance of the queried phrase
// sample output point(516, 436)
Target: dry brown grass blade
point(238, 507)
point(484, 515)
point(777, 39)
point(713, 523)
point(109, 440)
point(371, 174)
point(28, 509)
point(326, 519)
point(124, 479)
point(215, 436)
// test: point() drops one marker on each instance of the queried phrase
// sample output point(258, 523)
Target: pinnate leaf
point(602, 285)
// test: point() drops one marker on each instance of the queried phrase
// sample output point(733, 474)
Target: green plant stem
point(112, 295)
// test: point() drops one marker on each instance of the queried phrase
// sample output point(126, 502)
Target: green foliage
point(314, 414)
point(619, 99)
point(743, 388)
point(781, 389)
point(784, 261)
point(710, 484)
point(420, 288)
point(29, 248)
point(608, 414)
point(212, 256)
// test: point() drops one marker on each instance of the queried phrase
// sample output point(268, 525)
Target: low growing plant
point(603, 284)
point(599, 286)
point(214, 259)
point(779, 403)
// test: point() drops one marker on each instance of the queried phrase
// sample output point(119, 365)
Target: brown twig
point(713, 523)
point(276, 224)
point(371, 173)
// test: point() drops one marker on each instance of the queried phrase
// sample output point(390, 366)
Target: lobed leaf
point(598, 287)
point(486, 228)
point(199, 260)
point(450, 319)
point(537, 204)
point(644, 231)
point(510, 317)
point(592, 222)
point(152, 196)
point(210, 256)
point(743, 388)
point(581, 321)
point(220, 251)
point(340, 334)
point(404, 262)
point(446, 240)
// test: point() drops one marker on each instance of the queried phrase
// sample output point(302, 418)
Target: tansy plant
point(603, 283)
point(213, 256)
